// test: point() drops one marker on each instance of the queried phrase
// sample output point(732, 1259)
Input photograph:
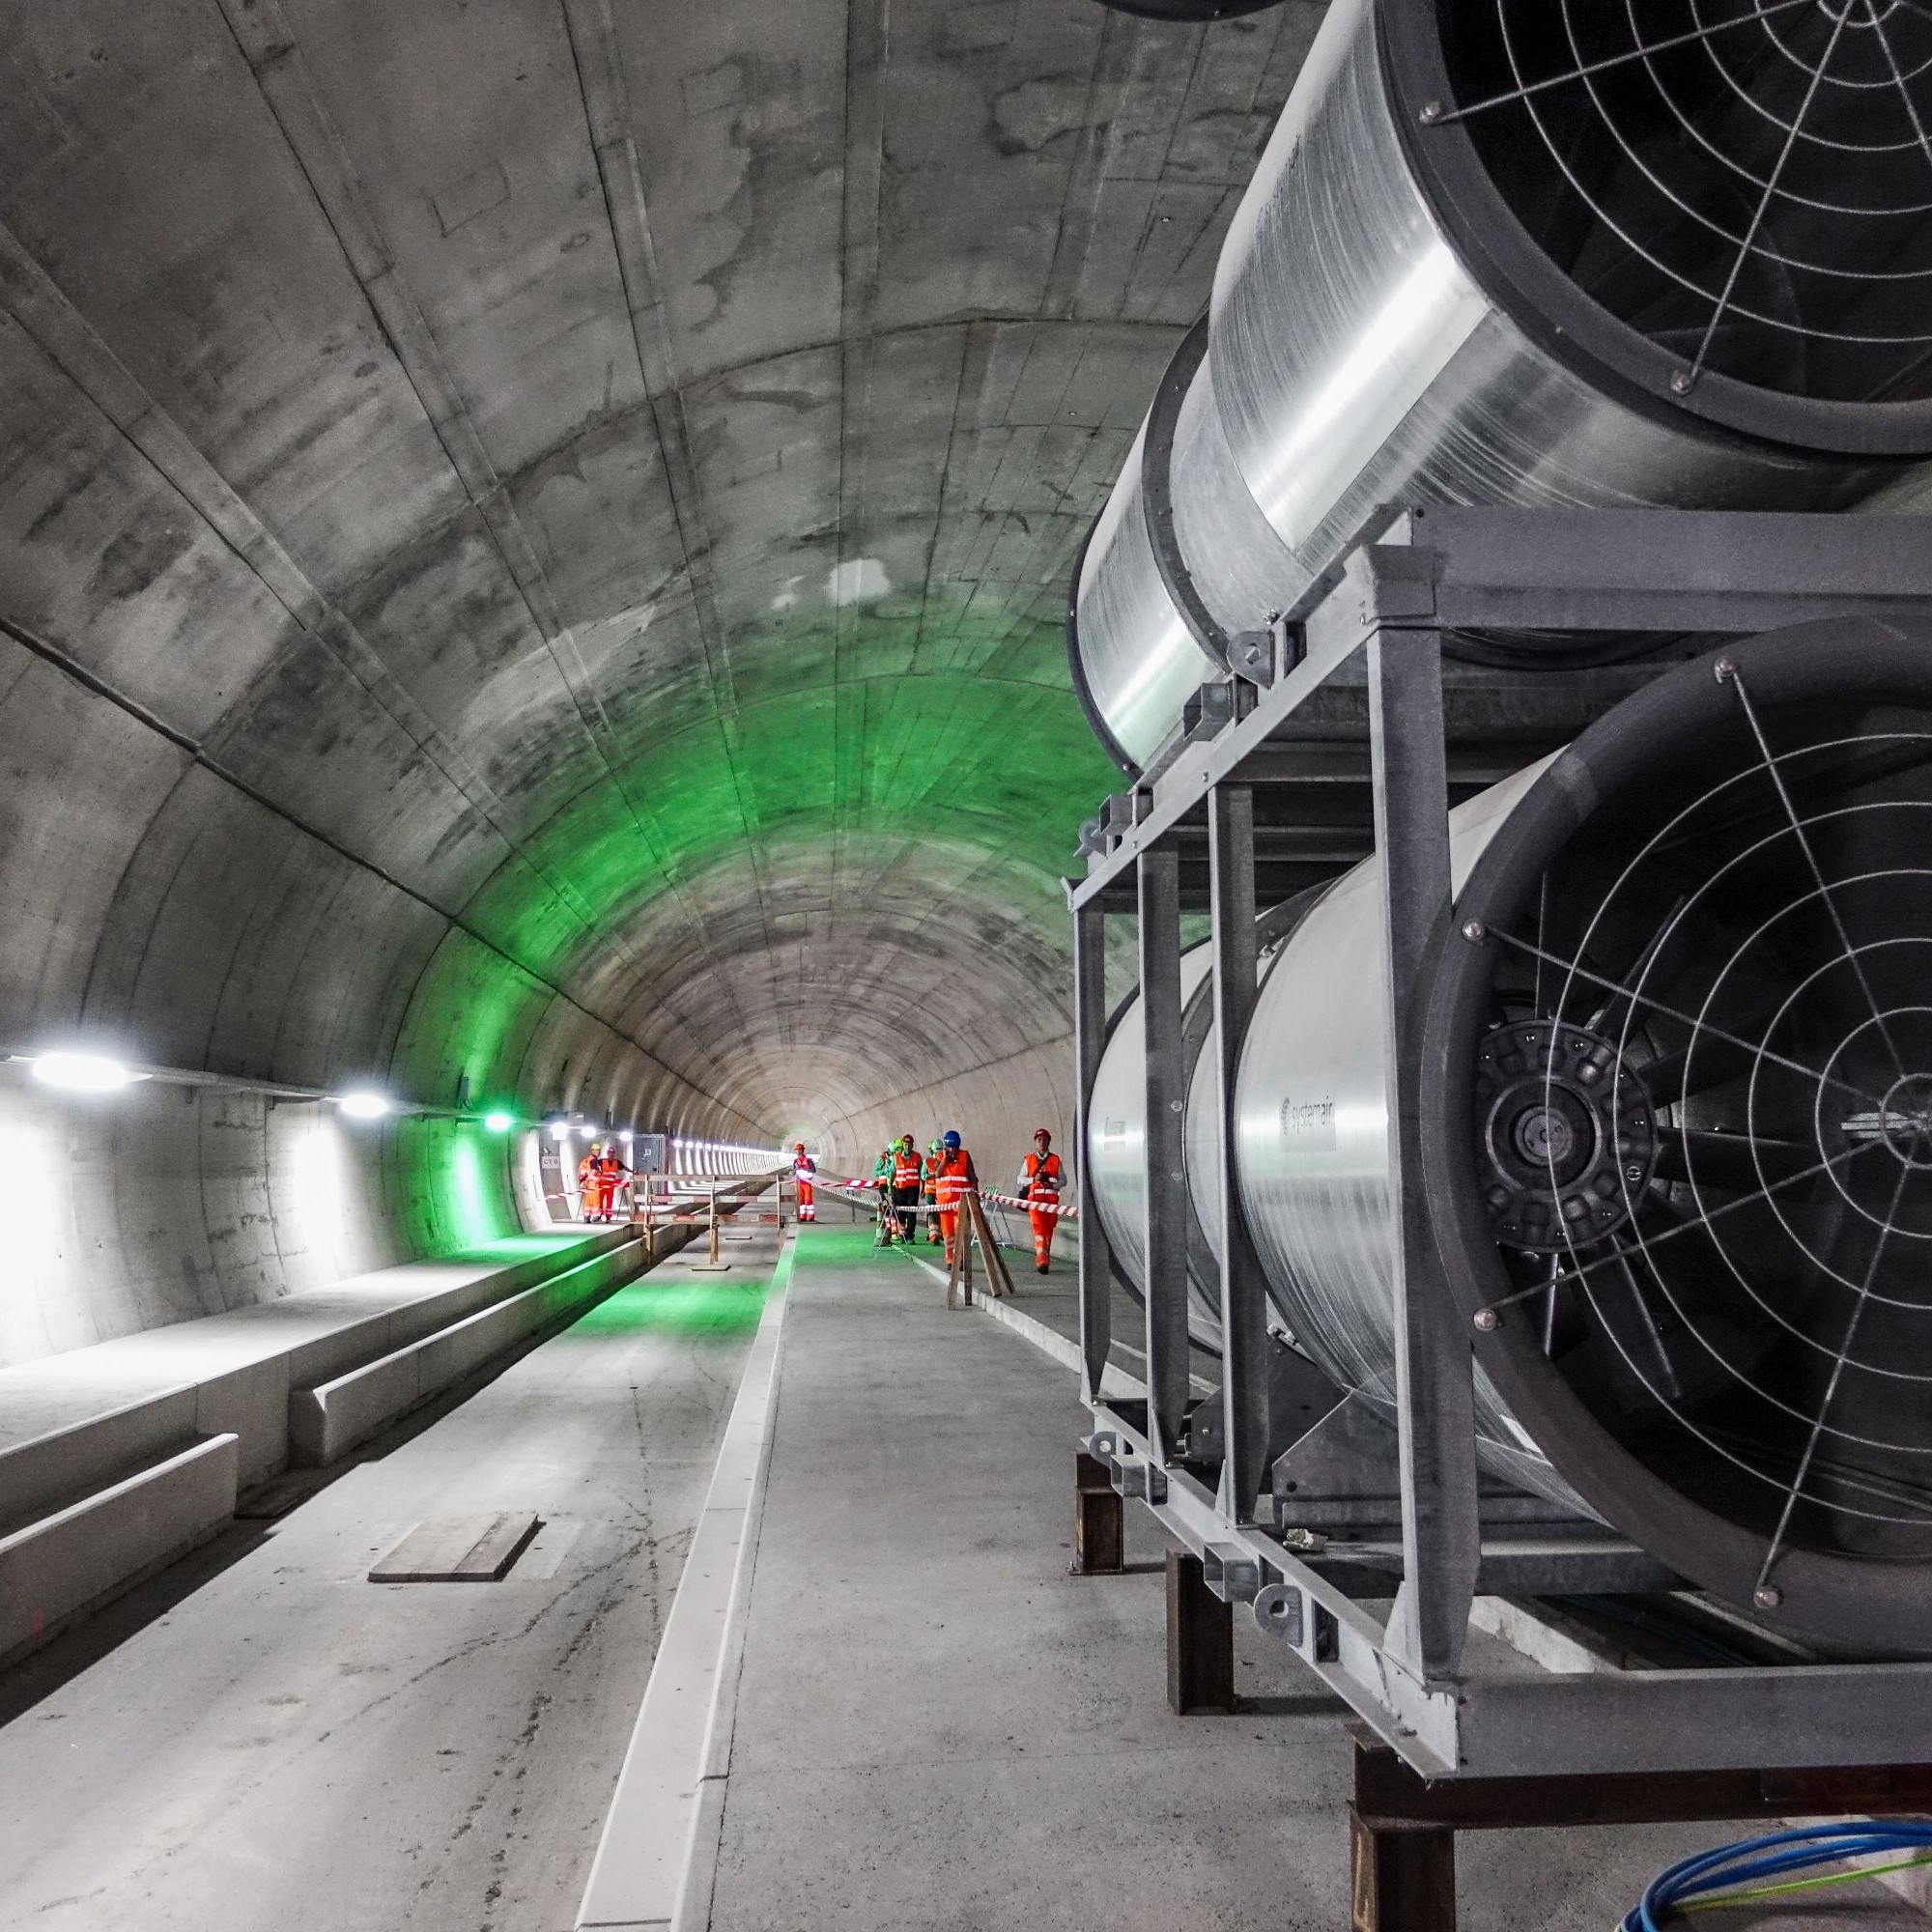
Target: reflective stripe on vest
point(1046, 1175)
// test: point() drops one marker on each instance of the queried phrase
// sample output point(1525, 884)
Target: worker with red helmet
point(611, 1169)
point(804, 1170)
point(908, 1175)
point(1041, 1179)
point(950, 1188)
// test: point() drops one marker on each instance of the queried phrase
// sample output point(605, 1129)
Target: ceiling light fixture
point(83, 1072)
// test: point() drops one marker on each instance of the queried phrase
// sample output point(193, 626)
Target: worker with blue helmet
point(950, 1183)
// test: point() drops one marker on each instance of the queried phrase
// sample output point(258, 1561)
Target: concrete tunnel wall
point(532, 540)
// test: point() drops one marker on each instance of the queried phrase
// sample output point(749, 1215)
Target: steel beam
point(1244, 1336)
point(1164, 1194)
point(1434, 1375)
point(1089, 1035)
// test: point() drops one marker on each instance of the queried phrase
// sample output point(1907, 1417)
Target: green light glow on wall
point(965, 741)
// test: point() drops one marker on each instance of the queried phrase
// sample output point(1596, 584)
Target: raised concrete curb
point(138, 1475)
point(327, 1421)
point(657, 1854)
point(54, 1570)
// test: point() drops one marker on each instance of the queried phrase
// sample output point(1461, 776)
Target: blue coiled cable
point(1771, 1856)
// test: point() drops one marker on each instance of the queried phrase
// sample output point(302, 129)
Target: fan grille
point(1754, 1323)
point(1745, 183)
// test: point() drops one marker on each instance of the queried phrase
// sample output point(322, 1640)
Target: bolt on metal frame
point(1374, 632)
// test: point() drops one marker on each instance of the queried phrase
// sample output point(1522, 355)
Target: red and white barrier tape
point(871, 1189)
point(1048, 1207)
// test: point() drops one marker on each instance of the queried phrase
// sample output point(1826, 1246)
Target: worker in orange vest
point(1042, 1177)
point(908, 1173)
point(590, 1183)
point(803, 1171)
point(611, 1170)
point(949, 1185)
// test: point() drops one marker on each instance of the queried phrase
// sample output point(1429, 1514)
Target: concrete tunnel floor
point(292, 1745)
point(936, 1728)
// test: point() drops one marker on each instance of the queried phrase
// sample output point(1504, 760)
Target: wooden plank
point(458, 1549)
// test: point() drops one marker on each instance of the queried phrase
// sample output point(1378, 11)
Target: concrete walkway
point(937, 1727)
point(290, 1744)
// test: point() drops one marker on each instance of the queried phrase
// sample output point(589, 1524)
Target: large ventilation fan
point(1745, 183)
point(1688, 1168)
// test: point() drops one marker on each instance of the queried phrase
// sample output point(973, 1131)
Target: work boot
point(1041, 1268)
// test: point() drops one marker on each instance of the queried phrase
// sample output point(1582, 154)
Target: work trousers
point(904, 1200)
point(805, 1211)
point(1043, 1226)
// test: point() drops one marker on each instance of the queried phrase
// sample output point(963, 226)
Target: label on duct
point(1309, 1125)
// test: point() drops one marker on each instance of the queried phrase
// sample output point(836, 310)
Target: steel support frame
point(1678, 572)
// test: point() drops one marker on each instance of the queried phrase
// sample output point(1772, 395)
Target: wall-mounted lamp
point(83, 1072)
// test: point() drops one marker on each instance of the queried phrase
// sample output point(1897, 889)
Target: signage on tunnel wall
point(557, 1187)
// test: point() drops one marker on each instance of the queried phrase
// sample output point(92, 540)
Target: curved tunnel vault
point(531, 544)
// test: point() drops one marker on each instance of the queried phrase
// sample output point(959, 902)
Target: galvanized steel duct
point(1116, 1150)
point(1463, 276)
point(1676, 1100)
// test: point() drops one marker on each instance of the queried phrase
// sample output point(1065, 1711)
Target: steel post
point(1164, 1202)
point(1199, 1640)
point(1089, 1036)
point(1401, 1877)
point(1244, 1337)
point(1099, 1521)
point(1434, 1392)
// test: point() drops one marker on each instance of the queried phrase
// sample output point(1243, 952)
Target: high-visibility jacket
point(589, 1176)
point(908, 1171)
point(882, 1169)
point(952, 1178)
point(804, 1167)
point(1042, 1180)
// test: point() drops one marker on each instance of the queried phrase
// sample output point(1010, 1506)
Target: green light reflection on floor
point(677, 1308)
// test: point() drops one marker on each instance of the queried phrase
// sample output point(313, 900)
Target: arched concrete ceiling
point(533, 532)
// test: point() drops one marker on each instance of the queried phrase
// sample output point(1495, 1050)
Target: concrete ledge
point(659, 1847)
point(326, 1422)
point(54, 1570)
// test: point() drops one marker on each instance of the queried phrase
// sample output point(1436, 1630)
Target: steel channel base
point(1703, 574)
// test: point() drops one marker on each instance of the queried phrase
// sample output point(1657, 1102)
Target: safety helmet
point(798, 1147)
point(1042, 1134)
point(951, 1137)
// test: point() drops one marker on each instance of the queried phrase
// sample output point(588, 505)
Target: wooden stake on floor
point(999, 1282)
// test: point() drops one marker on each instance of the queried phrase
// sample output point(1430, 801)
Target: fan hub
point(1568, 1135)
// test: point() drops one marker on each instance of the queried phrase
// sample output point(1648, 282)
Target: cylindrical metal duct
point(1677, 1106)
point(1115, 1181)
point(1668, 255)
point(1312, 1143)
